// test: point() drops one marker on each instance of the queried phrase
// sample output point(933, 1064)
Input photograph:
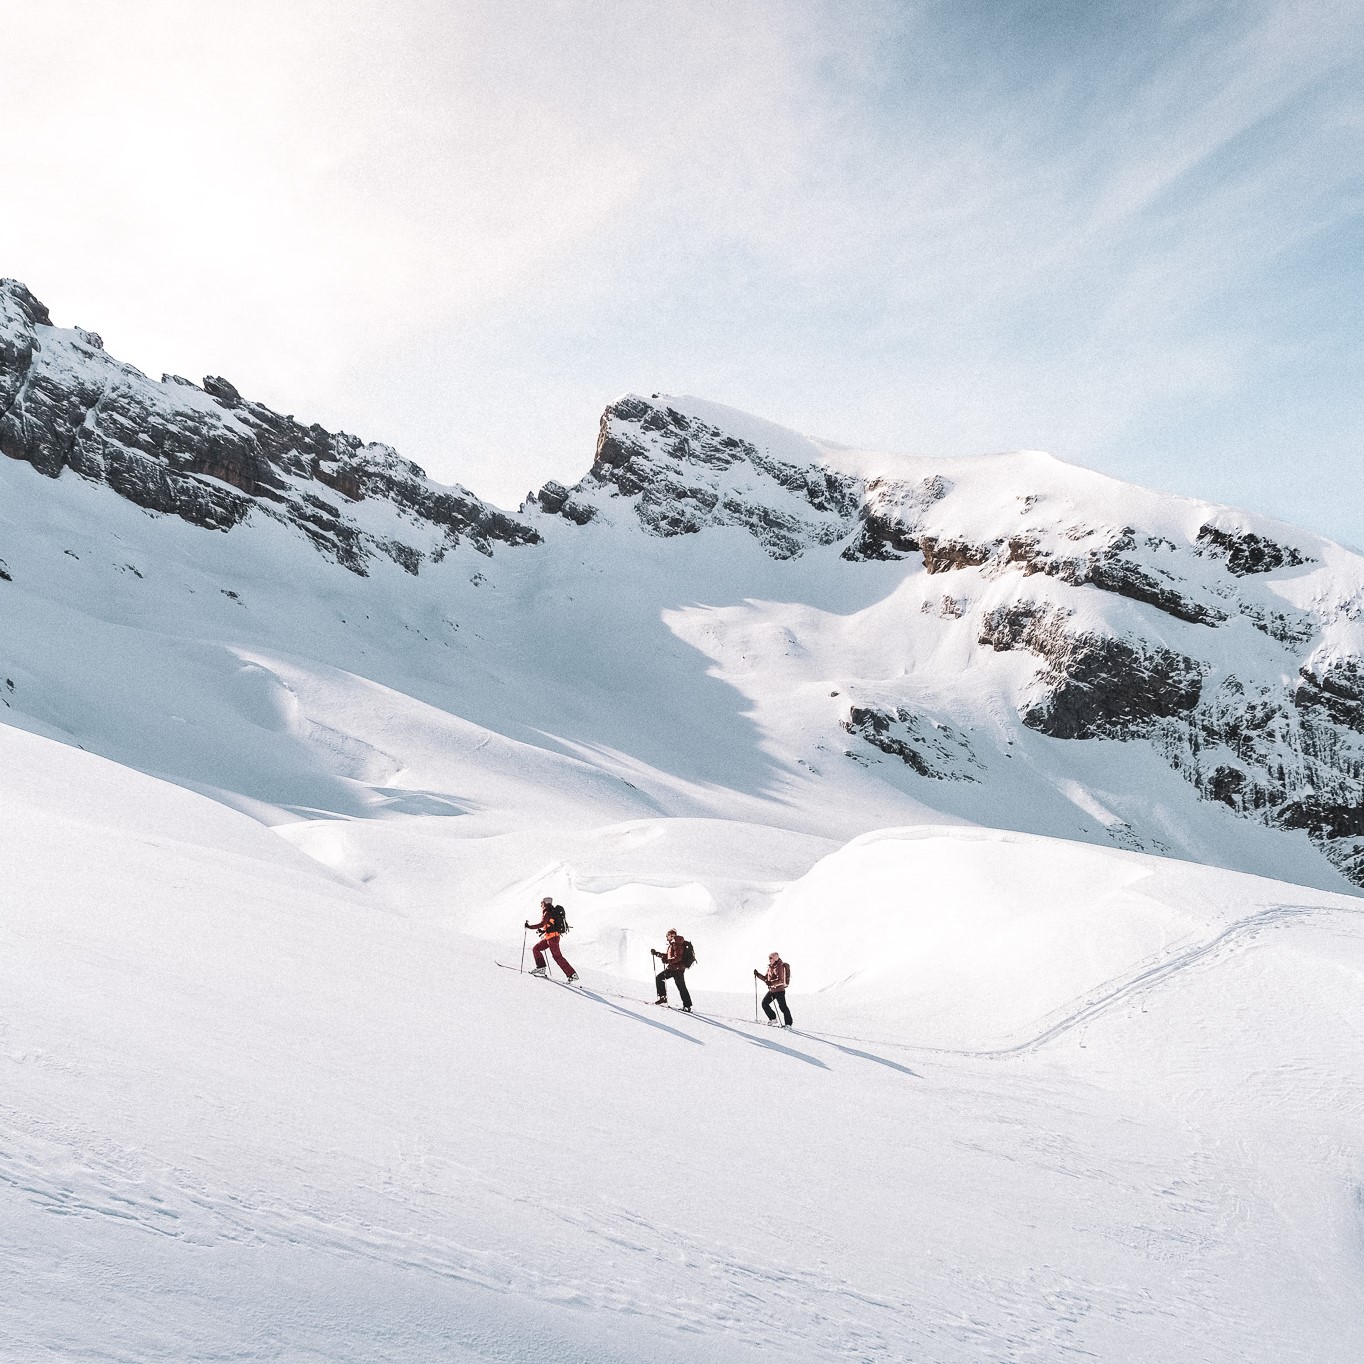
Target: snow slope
point(604, 674)
point(249, 1111)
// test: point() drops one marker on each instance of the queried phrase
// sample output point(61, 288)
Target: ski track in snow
point(1147, 978)
point(1142, 979)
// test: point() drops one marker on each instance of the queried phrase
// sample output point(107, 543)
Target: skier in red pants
point(553, 923)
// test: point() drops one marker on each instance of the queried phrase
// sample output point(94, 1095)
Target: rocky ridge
point(682, 475)
point(213, 458)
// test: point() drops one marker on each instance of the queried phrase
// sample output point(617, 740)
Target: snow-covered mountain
point(210, 457)
point(1006, 640)
point(1229, 646)
point(1048, 787)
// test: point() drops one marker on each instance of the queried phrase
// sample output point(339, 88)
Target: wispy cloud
point(954, 226)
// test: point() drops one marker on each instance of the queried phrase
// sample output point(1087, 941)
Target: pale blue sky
point(1128, 234)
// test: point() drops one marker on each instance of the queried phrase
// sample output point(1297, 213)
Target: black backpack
point(558, 919)
point(688, 954)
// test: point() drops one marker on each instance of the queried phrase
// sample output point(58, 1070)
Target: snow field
point(248, 1110)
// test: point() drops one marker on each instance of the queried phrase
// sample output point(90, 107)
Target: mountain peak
point(18, 299)
point(214, 458)
point(682, 473)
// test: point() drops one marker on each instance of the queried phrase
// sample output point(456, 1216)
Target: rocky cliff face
point(1139, 630)
point(680, 475)
point(210, 456)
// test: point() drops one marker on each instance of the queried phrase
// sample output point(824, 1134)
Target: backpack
point(558, 919)
point(688, 954)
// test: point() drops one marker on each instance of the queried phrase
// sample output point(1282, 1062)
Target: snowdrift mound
point(965, 939)
point(977, 940)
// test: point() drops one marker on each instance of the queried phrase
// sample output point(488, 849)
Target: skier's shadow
point(640, 1018)
point(762, 1042)
point(867, 1056)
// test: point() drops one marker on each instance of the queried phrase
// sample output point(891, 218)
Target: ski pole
point(524, 936)
point(756, 1019)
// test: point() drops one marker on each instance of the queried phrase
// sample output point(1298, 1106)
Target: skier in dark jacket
point(552, 923)
point(675, 962)
point(778, 977)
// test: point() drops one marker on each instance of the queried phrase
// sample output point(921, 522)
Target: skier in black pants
point(676, 959)
point(778, 977)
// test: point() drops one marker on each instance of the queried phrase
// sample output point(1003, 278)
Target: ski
point(553, 980)
point(598, 990)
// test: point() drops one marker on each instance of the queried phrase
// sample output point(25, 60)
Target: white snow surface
point(269, 827)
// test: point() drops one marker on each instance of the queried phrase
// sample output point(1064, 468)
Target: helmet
point(773, 956)
point(548, 900)
point(672, 932)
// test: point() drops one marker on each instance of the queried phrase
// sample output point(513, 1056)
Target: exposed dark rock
point(1323, 819)
point(1339, 677)
point(1293, 629)
point(1027, 625)
point(1094, 686)
point(404, 556)
point(556, 499)
point(207, 454)
point(946, 608)
point(1298, 763)
point(226, 393)
point(1245, 552)
point(1107, 568)
point(1335, 689)
point(879, 537)
point(1126, 579)
point(20, 315)
point(685, 476)
point(942, 556)
point(931, 748)
point(1227, 784)
point(890, 517)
